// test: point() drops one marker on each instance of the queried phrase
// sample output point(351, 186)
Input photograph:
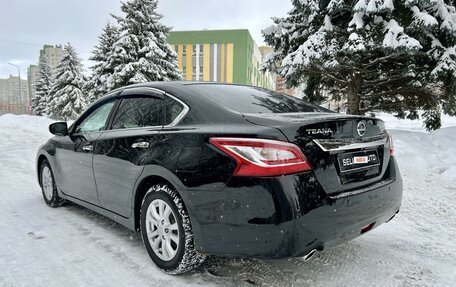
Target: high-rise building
point(13, 97)
point(53, 55)
point(4, 107)
point(227, 56)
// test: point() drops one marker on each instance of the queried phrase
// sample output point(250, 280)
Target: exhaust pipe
point(310, 254)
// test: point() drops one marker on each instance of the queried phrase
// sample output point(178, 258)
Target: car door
point(75, 155)
point(121, 151)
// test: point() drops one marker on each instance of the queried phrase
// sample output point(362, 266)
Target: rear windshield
point(255, 100)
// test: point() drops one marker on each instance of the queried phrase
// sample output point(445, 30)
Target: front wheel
point(166, 231)
point(48, 187)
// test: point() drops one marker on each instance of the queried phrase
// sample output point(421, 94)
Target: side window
point(96, 121)
point(139, 112)
point(172, 109)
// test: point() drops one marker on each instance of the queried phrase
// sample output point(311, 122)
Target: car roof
point(175, 84)
point(179, 89)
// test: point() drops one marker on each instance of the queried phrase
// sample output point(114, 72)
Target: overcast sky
point(26, 25)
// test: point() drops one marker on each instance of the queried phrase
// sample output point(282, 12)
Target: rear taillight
point(390, 140)
point(260, 157)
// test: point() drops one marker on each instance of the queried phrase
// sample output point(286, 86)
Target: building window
point(184, 61)
point(201, 62)
point(194, 72)
point(193, 54)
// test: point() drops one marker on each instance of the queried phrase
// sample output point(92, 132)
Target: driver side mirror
point(59, 129)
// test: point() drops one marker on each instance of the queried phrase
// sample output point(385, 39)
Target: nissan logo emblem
point(361, 128)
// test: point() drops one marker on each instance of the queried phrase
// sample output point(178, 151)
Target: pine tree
point(40, 101)
point(101, 81)
point(397, 56)
point(142, 53)
point(67, 99)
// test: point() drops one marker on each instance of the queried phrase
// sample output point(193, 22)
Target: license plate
point(358, 160)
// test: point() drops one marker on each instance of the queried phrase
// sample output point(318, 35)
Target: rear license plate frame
point(349, 157)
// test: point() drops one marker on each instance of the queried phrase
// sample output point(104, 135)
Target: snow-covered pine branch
point(373, 53)
point(67, 99)
point(40, 100)
point(101, 81)
point(141, 52)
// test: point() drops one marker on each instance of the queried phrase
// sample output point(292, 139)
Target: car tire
point(167, 232)
point(48, 186)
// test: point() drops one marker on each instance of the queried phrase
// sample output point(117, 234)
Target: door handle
point(88, 147)
point(140, 145)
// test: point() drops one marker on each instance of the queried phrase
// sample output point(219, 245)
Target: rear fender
point(183, 191)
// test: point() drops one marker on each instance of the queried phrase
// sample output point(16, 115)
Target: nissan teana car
point(214, 169)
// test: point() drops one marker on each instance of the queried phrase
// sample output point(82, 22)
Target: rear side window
point(172, 110)
point(245, 99)
point(139, 112)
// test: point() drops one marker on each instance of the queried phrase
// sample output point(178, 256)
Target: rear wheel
point(166, 231)
point(48, 187)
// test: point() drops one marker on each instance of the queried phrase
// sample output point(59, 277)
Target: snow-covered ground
point(72, 246)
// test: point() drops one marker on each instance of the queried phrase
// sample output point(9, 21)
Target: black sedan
point(212, 169)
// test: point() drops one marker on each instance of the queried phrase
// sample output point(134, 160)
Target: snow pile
point(82, 248)
point(435, 152)
point(17, 135)
point(392, 122)
point(24, 124)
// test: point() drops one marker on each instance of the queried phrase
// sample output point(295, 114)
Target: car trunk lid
point(346, 152)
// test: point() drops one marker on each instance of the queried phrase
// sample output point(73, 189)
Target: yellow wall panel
point(222, 64)
point(189, 68)
point(206, 62)
point(229, 63)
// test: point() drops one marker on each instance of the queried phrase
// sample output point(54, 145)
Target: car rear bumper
point(288, 216)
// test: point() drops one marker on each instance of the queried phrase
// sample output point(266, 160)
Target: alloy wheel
point(162, 230)
point(47, 182)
